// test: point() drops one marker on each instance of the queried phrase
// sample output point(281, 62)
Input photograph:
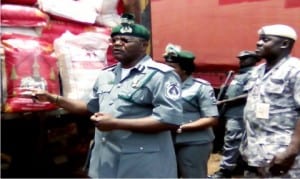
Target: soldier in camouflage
point(233, 106)
point(272, 111)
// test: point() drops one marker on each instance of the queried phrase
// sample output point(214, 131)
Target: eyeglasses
point(123, 40)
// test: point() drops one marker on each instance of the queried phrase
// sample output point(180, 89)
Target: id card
point(262, 111)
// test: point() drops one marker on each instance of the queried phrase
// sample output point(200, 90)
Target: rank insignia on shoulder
point(135, 83)
point(173, 90)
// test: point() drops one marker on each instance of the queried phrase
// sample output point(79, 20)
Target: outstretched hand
point(36, 94)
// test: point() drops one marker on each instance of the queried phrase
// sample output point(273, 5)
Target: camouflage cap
point(279, 30)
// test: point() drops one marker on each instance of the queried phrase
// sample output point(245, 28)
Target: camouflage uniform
point(271, 113)
point(234, 121)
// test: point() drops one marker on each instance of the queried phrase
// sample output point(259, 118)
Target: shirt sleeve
point(93, 102)
point(207, 101)
point(166, 98)
point(297, 90)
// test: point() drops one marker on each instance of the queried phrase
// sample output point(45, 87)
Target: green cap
point(130, 28)
point(174, 54)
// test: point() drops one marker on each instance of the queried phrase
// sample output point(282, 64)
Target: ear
point(145, 44)
point(285, 43)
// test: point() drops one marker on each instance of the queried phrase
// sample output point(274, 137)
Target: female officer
point(194, 138)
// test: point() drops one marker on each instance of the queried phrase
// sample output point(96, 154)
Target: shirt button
point(111, 103)
point(141, 148)
point(103, 139)
point(119, 85)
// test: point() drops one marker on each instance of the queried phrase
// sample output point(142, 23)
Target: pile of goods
point(54, 45)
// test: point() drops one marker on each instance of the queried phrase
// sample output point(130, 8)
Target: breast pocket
point(138, 96)
point(275, 86)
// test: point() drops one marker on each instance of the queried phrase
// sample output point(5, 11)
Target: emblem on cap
point(127, 20)
point(172, 50)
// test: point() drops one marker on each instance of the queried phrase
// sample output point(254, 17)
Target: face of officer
point(182, 73)
point(272, 47)
point(128, 50)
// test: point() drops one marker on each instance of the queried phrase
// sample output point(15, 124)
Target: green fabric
point(130, 28)
point(177, 56)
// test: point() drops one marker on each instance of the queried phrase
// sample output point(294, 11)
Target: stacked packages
point(54, 45)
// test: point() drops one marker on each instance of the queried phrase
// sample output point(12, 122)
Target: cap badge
point(172, 50)
point(127, 21)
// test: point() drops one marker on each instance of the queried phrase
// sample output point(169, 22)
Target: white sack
point(80, 57)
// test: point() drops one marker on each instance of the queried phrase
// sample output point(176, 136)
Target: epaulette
point(198, 80)
point(160, 67)
point(110, 68)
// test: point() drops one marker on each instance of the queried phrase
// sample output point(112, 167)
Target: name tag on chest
point(262, 111)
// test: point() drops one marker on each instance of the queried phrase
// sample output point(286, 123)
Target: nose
point(259, 42)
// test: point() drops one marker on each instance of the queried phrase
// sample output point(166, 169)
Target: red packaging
point(28, 64)
point(22, 16)
point(21, 2)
